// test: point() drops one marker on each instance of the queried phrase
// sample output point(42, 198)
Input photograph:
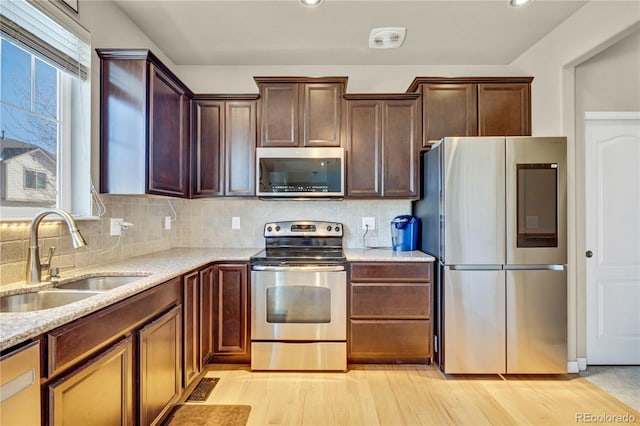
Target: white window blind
point(35, 27)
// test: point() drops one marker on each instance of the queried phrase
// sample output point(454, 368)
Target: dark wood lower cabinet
point(231, 312)
point(390, 341)
point(120, 365)
point(206, 315)
point(190, 327)
point(99, 392)
point(390, 305)
point(160, 375)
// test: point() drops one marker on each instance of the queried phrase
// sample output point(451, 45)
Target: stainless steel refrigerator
point(494, 214)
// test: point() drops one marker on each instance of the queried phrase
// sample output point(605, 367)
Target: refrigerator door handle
point(473, 267)
point(535, 267)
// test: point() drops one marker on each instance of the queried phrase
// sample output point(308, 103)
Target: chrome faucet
point(34, 268)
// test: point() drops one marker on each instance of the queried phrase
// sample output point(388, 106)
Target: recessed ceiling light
point(517, 3)
point(387, 38)
point(311, 3)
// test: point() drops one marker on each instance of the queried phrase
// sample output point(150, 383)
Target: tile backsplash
point(195, 223)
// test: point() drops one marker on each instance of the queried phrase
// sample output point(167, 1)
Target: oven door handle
point(311, 268)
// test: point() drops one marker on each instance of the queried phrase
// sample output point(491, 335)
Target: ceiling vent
point(387, 38)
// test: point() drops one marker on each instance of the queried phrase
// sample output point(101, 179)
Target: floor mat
point(203, 389)
point(209, 415)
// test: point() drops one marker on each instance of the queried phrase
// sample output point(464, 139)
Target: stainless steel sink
point(44, 299)
point(101, 283)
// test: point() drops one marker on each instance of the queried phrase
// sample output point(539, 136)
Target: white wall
point(610, 81)
point(591, 29)
point(110, 28)
point(552, 61)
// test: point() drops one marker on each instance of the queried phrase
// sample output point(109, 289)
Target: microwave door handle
point(312, 268)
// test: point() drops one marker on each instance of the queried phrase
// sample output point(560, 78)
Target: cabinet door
point(20, 386)
point(448, 110)
point(504, 109)
point(123, 126)
point(190, 328)
point(279, 114)
point(240, 144)
point(321, 114)
point(363, 148)
point(160, 366)
point(168, 136)
point(208, 149)
point(98, 393)
point(231, 310)
point(399, 148)
point(207, 318)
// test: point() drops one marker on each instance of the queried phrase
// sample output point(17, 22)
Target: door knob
point(589, 253)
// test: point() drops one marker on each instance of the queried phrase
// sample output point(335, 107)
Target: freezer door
point(474, 201)
point(536, 175)
point(536, 321)
point(474, 321)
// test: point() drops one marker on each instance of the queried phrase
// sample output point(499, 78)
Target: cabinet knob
point(589, 253)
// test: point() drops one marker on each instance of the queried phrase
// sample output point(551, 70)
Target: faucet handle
point(47, 264)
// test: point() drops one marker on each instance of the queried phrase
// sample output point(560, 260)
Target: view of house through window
point(29, 122)
point(45, 113)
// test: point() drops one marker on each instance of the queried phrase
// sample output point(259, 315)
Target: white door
point(613, 237)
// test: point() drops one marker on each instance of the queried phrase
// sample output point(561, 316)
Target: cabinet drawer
point(390, 271)
point(396, 340)
point(394, 300)
point(73, 341)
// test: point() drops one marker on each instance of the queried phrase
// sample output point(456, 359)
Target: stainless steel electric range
point(298, 298)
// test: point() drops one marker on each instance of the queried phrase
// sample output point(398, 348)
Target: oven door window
point(298, 304)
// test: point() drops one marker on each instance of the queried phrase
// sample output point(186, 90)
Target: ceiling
point(284, 32)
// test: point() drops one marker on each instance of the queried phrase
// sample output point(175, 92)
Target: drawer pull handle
point(17, 385)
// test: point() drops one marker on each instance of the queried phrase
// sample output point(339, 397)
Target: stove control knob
point(337, 229)
point(329, 228)
point(269, 229)
point(277, 228)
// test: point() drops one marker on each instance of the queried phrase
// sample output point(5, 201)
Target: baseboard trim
point(582, 363)
point(572, 367)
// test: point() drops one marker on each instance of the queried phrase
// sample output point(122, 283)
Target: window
point(44, 111)
point(35, 180)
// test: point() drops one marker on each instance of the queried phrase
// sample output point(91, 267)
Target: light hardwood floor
point(413, 395)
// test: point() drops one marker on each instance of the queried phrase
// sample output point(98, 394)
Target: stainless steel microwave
point(300, 172)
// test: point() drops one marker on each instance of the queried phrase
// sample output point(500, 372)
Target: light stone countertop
point(386, 255)
point(153, 269)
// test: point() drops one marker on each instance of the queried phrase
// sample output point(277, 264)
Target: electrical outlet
point(235, 222)
point(167, 222)
point(369, 222)
point(116, 226)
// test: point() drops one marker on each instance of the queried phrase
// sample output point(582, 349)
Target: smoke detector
point(387, 38)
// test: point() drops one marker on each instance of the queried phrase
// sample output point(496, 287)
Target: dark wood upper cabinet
point(144, 125)
point(300, 111)
point(449, 110)
point(474, 106)
point(224, 146)
point(208, 148)
point(504, 109)
point(382, 144)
